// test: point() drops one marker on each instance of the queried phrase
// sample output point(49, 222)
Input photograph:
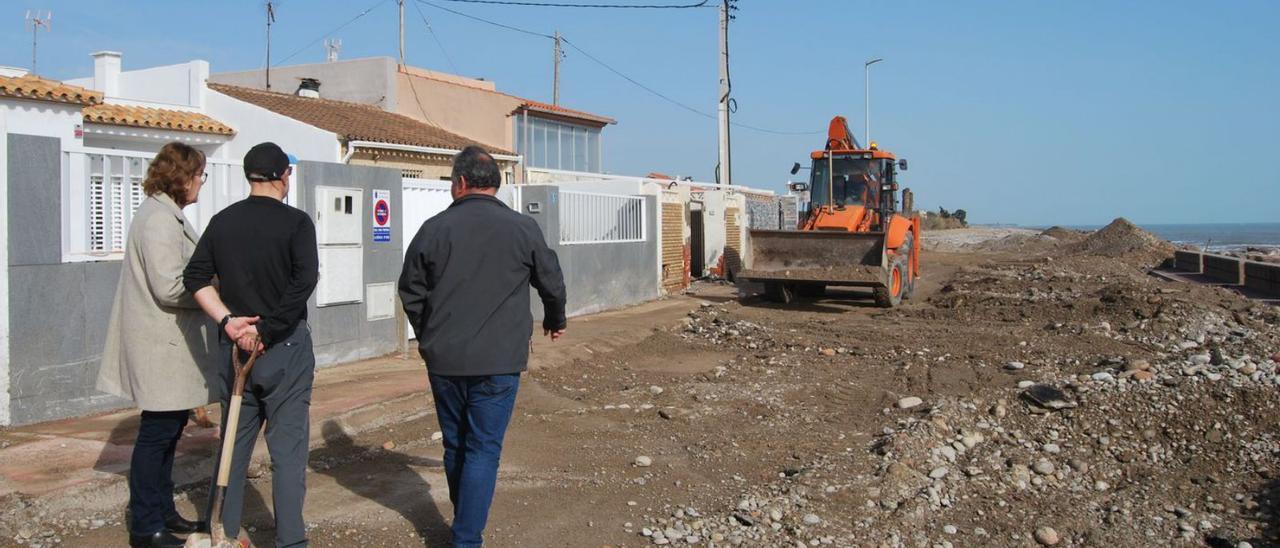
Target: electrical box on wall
point(339, 212)
point(340, 235)
point(341, 275)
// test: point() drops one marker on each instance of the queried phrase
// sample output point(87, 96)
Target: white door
point(422, 199)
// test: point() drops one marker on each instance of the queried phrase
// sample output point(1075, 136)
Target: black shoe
point(161, 539)
point(181, 526)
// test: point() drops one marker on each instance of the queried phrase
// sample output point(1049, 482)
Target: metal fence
point(589, 218)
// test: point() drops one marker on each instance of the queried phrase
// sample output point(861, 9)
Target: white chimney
point(106, 72)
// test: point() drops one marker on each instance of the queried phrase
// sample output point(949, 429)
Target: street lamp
point(866, 116)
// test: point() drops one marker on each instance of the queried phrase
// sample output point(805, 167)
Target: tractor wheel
point(891, 295)
point(779, 292)
point(812, 291)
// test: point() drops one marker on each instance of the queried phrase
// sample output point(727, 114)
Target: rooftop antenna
point(271, 18)
point(332, 46)
point(37, 22)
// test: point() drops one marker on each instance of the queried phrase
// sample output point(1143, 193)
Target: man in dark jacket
point(263, 254)
point(465, 289)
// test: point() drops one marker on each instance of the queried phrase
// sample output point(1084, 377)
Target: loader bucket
point(831, 258)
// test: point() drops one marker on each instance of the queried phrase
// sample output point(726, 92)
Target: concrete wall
point(1262, 277)
point(4, 266)
point(56, 312)
point(598, 276)
point(1187, 261)
point(368, 81)
point(179, 85)
point(341, 333)
point(473, 112)
point(1225, 269)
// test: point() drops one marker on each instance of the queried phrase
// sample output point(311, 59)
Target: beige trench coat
point(161, 350)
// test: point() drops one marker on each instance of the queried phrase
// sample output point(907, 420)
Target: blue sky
point(1016, 111)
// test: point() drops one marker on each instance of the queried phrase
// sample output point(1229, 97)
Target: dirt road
point(834, 423)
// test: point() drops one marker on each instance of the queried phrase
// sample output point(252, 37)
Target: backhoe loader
point(851, 233)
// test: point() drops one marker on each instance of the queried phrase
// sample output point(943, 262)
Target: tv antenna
point(38, 22)
point(332, 46)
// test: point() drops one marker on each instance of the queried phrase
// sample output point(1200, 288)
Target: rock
point(1201, 359)
point(1101, 485)
point(812, 519)
point(643, 461)
point(909, 402)
point(664, 414)
point(1078, 465)
point(970, 440)
point(1138, 365)
point(950, 529)
point(1051, 448)
point(1025, 384)
point(1014, 366)
point(655, 390)
point(1047, 397)
point(1103, 376)
point(1043, 467)
point(828, 352)
point(389, 445)
point(939, 472)
point(437, 436)
point(1046, 536)
point(775, 514)
point(1144, 376)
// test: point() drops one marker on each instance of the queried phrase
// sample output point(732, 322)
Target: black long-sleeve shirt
point(465, 287)
point(264, 255)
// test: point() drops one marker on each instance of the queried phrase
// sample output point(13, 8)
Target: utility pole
point(37, 22)
point(555, 90)
point(866, 114)
point(271, 18)
point(724, 171)
point(401, 2)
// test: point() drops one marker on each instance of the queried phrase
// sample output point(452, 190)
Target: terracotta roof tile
point(353, 121)
point(36, 88)
point(123, 115)
point(556, 109)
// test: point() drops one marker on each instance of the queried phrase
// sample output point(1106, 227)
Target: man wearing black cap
point(263, 253)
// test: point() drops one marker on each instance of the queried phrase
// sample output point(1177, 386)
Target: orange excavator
point(852, 232)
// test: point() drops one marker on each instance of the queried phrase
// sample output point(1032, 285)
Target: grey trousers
point(278, 392)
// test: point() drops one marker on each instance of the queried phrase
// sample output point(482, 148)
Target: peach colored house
point(546, 136)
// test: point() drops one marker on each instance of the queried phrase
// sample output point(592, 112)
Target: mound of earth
point(1064, 234)
point(1122, 238)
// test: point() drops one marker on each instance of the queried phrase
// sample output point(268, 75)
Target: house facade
point(544, 135)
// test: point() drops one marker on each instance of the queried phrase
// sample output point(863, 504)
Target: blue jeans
point(473, 413)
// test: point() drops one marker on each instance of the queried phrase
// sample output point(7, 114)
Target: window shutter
point(97, 206)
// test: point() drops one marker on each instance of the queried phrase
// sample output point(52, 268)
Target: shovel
point(218, 537)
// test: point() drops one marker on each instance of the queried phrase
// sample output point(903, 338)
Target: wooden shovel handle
point(242, 368)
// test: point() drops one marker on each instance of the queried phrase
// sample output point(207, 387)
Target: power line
point(327, 34)
point(432, 31)
point(703, 3)
point(486, 21)
point(617, 72)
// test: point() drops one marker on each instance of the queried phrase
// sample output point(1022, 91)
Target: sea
point(1215, 236)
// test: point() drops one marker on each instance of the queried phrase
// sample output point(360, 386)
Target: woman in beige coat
point(159, 349)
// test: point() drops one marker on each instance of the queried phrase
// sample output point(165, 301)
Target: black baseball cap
point(266, 162)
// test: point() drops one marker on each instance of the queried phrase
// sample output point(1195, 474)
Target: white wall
point(171, 85)
point(43, 118)
point(4, 268)
point(254, 124)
